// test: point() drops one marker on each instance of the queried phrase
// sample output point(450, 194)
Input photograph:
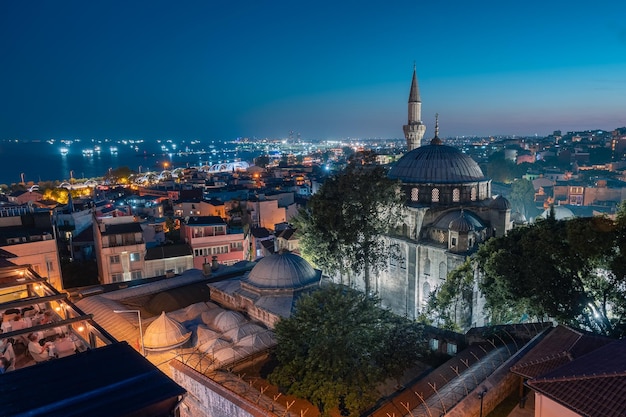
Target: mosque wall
point(208, 398)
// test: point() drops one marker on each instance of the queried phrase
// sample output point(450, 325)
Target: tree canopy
point(571, 270)
point(341, 226)
point(338, 345)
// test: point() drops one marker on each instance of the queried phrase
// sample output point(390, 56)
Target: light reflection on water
point(41, 161)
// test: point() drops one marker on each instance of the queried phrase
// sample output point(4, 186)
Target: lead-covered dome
point(436, 164)
point(282, 271)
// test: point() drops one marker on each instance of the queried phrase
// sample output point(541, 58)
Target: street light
point(143, 349)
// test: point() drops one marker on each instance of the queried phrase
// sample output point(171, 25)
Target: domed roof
point(228, 320)
point(283, 271)
point(461, 224)
point(436, 164)
point(500, 203)
point(165, 333)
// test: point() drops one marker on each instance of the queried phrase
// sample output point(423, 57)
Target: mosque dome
point(461, 224)
point(500, 203)
point(282, 271)
point(165, 333)
point(436, 164)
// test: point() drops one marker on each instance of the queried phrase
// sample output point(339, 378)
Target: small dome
point(436, 164)
point(461, 224)
point(228, 319)
point(517, 217)
point(165, 333)
point(500, 203)
point(283, 271)
point(560, 213)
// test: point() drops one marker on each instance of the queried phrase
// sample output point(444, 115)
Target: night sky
point(327, 69)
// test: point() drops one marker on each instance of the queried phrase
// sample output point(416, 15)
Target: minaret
point(414, 130)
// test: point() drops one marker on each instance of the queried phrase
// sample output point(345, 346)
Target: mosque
point(448, 212)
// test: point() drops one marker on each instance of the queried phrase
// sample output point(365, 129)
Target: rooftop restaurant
point(45, 337)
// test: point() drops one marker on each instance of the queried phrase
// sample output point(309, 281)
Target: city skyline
point(324, 70)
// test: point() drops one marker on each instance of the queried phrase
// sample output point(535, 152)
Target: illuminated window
point(135, 257)
point(414, 194)
point(435, 195)
point(456, 195)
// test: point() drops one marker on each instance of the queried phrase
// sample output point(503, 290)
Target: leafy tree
point(523, 197)
point(262, 161)
point(454, 294)
point(342, 223)
point(567, 270)
point(338, 345)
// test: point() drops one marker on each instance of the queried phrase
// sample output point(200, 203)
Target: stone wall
point(207, 398)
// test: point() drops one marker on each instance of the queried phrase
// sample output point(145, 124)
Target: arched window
point(425, 293)
point(427, 267)
point(473, 194)
point(456, 195)
point(414, 194)
point(435, 195)
point(443, 270)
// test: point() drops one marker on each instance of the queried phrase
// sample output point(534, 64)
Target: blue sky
point(326, 69)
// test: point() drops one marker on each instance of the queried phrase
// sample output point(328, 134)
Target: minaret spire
point(414, 129)
point(436, 140)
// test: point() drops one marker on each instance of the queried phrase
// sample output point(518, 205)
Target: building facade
point(210, 236)
point(449, 211)
point(120, 249)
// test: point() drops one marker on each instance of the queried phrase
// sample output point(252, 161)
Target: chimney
point(206, 268)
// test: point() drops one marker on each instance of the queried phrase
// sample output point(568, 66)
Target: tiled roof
point(559, 347)
point(593, 385)
point(260, 232)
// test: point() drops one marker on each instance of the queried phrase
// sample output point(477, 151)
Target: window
point(453, 241)
point(443, 270)
point(433, 344)
point(435, 195)
point(218, 230)
point(216, 250)
point(451, 349)
point(117, 277)
point(135, 275)
point(425, 293)
point(115, 259)
point(50, 265)
point(414, 194)
point(236, 246)
point(135, 257)
point(473, 194)
point(427, 267)
point(456, 195)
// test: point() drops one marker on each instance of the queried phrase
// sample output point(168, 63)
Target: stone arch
point(425, 292)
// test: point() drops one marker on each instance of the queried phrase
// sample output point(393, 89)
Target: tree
point(523, 198)
point(341, 226)
point(454, 294)
point(567, 270)
point(338, 345)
